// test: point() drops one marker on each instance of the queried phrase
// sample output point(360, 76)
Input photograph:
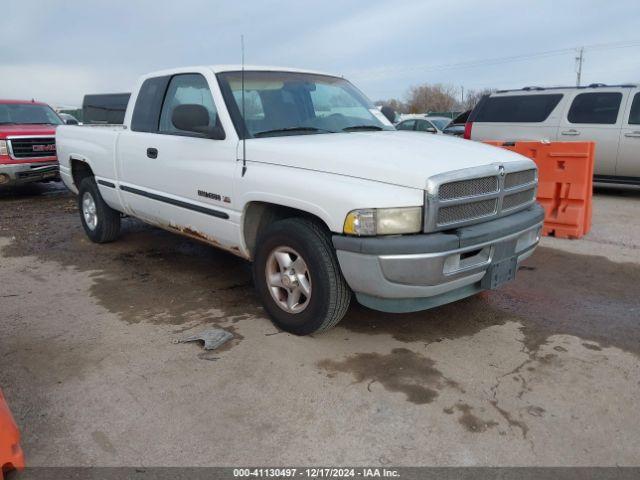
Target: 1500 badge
point(214, 196)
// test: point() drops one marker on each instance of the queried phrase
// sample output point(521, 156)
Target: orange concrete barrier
point(565, 184)
point(11, 456)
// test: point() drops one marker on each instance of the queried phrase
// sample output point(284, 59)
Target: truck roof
point(582, 87)
point(13, 102)
point(235, 68)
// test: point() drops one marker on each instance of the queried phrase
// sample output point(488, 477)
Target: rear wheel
point(101, 223)
point(297, 276)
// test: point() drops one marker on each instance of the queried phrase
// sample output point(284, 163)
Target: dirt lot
point(545, 371)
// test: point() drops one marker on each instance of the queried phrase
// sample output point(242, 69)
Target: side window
point(406, 125)
point(190, 88)
point(517, 108)
point(634, 115)
point(147, 109)
point(423, 125)
point(599, 108)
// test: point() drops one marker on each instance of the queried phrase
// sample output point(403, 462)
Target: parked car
point(105, 108)
point(606, 115)
point(309, 181)
point(456, 126)
point(420, 123)
point(27, 142)
point(69, 119)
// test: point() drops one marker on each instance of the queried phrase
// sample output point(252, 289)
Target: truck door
point(629, 152)
point(182, 180)
point(596, 116)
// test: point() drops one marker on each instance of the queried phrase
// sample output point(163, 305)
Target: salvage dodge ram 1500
point(299, 173)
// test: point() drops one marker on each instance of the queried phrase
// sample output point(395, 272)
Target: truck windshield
point(28, 113)
point(289, 103)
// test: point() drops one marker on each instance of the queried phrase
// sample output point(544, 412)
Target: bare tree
point(437, 97)
point(472, 97)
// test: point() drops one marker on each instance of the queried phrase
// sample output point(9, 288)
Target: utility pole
point(579, 60)
point(462, 94)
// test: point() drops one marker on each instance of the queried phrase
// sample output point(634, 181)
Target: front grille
point(466, 211)
point(478, 194)
point(519, 178)
point(516, 199)
point(468, 188)
point(33, 147)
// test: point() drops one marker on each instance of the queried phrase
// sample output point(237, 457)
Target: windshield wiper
point(361, 127)
point(292, 129)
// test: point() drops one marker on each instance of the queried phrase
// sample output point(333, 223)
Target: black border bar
point(177, 203)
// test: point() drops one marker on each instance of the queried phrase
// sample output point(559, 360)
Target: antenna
point(579, 60)
point(244, 122)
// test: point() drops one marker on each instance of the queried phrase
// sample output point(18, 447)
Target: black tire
point(107, 226)
point(330, 294)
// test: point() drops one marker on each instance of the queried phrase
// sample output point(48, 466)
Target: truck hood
point(400, 158)
point(17, 129)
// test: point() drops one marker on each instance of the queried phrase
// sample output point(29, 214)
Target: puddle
point(471, 422)
point(400, 371)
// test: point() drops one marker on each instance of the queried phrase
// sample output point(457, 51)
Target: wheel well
point(258, 215)
point(79, 171)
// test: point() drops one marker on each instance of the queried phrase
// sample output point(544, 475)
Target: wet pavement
point(544, 371)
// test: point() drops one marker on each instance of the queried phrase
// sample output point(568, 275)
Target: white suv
point(607, 115)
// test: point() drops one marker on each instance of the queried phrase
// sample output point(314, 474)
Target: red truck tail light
point(467, 130)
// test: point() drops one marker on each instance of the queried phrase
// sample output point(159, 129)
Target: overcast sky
point(57, 51)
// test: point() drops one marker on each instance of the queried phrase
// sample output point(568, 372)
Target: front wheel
point(101, 223)
point(297, 276)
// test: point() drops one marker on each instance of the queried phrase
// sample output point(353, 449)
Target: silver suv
point(605, 114)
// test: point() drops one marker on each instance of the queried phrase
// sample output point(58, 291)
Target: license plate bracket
point(499, 273)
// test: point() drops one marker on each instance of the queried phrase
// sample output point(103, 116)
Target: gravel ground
point(545, 371)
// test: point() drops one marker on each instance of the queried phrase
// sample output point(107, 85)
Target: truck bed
point(97, 142)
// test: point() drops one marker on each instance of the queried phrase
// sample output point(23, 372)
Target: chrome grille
point(468, 188)
point(472, 195)
point(32, 147)
point(517, 199)
point(519, 178)
point(466, 211)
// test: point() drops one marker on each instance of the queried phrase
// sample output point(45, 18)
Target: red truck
point(27, 142)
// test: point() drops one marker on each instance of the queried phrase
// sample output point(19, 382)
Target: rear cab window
point(146, 112)
point(595, 108)
point(517, 108)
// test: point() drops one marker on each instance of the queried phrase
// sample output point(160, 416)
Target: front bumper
point(417, 272)
point(20, 173)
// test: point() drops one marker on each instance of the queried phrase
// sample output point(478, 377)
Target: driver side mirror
point(192, 117)
point(70, 121)
point(431, 130)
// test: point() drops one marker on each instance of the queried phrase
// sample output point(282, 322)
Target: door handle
point(152, 152)
point(570, 132)
point(632, 134)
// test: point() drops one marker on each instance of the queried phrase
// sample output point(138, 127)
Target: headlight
point(3, 148)
point(383, 221)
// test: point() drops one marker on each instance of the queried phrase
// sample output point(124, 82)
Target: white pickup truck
point(299, 173)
